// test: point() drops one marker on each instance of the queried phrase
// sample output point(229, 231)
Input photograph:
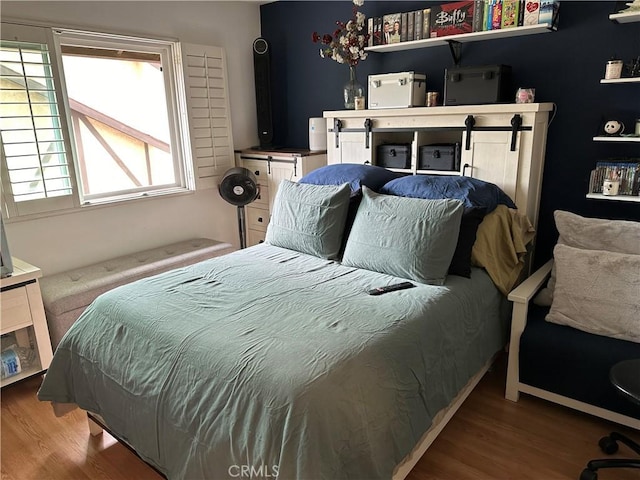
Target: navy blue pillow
point(461, 262)
point(356, 175)
point(473, 192)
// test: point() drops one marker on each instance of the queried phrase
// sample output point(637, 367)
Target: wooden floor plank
point(489, 438)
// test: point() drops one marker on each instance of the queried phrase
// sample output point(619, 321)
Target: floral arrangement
point(347, 43)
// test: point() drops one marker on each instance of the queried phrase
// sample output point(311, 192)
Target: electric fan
point(239, 187)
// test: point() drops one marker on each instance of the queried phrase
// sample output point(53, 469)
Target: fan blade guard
point(239, 186)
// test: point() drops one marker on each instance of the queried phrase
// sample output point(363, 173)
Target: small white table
point(22, 315)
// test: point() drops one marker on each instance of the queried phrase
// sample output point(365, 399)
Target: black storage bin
point(440, 156)
point(394, 155)
point(478, 85)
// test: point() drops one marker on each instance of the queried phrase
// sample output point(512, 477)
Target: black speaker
point(262, 71)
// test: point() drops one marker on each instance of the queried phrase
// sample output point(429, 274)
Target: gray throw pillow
point(619, 236)
point(405, 237)
point(597, 292)
point(309, 218)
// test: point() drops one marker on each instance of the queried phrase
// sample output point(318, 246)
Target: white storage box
point(397, 90)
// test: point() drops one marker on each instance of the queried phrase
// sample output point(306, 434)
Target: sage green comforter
point(271, 362)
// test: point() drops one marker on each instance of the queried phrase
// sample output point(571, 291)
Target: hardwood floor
point(489, 438)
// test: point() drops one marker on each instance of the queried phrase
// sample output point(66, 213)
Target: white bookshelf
point(462, 38)
point(625, 17)
point(621, 80)
point(621, 198)
point(620, 139)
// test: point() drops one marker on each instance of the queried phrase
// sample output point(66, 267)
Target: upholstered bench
point(67, 294)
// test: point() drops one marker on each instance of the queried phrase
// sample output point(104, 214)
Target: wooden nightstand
point(23, 317)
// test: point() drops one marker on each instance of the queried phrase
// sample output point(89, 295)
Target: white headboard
point(502, 144)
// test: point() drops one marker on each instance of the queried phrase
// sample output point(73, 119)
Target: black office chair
point(625, 376)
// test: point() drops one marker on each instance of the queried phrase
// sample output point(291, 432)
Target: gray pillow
point(406, 237)
point(597, 292)
point(619, 236)
point(309, 218)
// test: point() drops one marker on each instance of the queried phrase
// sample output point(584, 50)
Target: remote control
point(391, 288)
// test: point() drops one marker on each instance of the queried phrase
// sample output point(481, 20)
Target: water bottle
point(16, 359)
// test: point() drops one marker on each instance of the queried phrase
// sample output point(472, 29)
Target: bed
point(276, 361)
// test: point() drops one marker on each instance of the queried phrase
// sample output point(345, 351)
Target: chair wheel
point(588, 475)
point(608, 445)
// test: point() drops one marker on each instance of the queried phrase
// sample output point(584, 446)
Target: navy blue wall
point(565, 67)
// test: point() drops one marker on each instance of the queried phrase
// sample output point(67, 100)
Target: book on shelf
point(417, 24)
point(531, 12)
point(410, 26)
point(377, 31)
point(392, 27)
point(451, 19)
point(549, 12)
point(404, 25)
point(510, 10)
point(521, 10)
point(478, 15)
point(626, 172)
point(486, 15)
point(496, 15)
point(426, 23)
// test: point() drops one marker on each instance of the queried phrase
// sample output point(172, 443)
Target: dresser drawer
point(263, 198)
point(259, 169)
point(15, 310)
point(254, 237)
point(257, 218)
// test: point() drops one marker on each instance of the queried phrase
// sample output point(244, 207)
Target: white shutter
point(36, 152)
point(205, 72)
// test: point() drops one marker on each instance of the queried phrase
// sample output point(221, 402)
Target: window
point(122, 106)
point(91, 118)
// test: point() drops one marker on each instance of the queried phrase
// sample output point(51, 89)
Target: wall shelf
point(462, 38)
point(625, 17)
point(621, 80)
point(618, 18)
point(621, 198)
point(617, 139)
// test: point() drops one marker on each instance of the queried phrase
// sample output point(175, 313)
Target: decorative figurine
point(613, 128)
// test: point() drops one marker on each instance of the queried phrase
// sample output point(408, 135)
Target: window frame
point(174, 98)
point(177, 110)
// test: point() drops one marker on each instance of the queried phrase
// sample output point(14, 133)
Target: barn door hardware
point(516, 124)
point(337, 126)
point(469, 123)
point(367, 131)
point(270, 159)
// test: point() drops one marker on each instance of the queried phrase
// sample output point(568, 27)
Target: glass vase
point(352, 89)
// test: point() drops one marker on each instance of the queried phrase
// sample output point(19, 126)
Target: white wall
point(60, 242)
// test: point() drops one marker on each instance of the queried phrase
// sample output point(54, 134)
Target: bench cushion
point(66, 295)
point(573, 363)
